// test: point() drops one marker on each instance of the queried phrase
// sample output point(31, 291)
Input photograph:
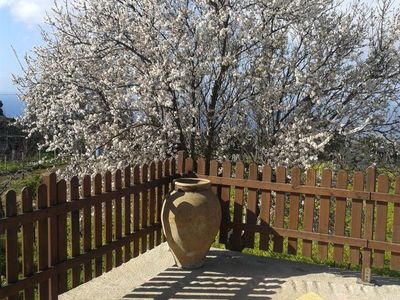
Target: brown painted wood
point(37, 215)
point(127, 213)
point(98, 225)
point(251, 210)
point(180, 166)
point(108, 219)
point(225, 202)
point(152, 203)
point(294, 210)
point(11, 243)
point(279, 209)
point(340, 215)
point(51, 181)
point(168, 186)
point(118, 216)
point(28, 236)
point(304, 189)
point(315, 236)
point(238, 208)
point(381, 220)
point(323, 224)
point(62, 235)
point(159, 201)
point(356, 217)
point(43, 250)
point(214, 172)
point(75, 231)
point(145, 208)
point(87, 226)
point(395, 256)
point(189, 166)
point(201, 166)
point(368, 224)
point(265, 207)
point(309, 204)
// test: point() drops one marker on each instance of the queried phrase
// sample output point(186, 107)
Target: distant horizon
point(12, 106)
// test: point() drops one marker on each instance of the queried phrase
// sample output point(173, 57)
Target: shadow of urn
point(191, 216)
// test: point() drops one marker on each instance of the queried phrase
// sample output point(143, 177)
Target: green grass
point(32, 181)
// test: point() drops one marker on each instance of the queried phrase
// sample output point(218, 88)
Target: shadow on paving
point(221, 277)
point(228, 275)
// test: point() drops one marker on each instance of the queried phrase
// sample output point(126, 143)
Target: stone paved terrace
point(229, 275)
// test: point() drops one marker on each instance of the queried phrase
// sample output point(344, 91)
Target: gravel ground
point(229, 275)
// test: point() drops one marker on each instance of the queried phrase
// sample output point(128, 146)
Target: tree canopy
point(272, 81)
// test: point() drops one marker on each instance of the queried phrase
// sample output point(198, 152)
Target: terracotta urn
point(191, 216)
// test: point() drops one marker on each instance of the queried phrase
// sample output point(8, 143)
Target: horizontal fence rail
point(350, 221)
point(69, 233)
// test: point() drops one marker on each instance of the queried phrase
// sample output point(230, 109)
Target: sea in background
point(12, 105)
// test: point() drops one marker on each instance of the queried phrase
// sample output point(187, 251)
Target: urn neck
point(192, 184)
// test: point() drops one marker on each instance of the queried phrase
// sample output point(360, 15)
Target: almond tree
point(274, 81)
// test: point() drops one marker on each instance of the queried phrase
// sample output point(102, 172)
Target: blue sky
point(19, 28)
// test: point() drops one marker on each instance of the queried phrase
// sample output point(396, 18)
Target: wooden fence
point(73, 232)
point(76, 231)
point(295, 214)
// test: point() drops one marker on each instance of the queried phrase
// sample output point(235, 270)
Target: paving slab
point(229, 275)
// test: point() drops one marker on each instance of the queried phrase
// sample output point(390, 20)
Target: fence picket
point(43, 238)
point(294, 210)
point(98, 225)
point(152, 200)
point(145, 207)
point(159, 201)
point(265, 210)
point(395, 256)
point(118, 216)
point(323, 224)
point(28, 235)
point(201, 166)
point(251, 211)
point(225, 202)
point(309, 203)
point(368, 226)
point(75, 231)
point(238, 209)
point(180, 167)
point(279, 209)
point(381, 220)
point(127, 213)
point(51, 181)
point(87, 226)
point(136, 210)
point(214, 172)
point(167, 172)
point(11, 242)
point(356, 217)
point(108, 219)
point(188, 166)
point(62, 235)
point(340, 215)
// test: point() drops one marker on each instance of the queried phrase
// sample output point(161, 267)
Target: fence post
point(368, 227)
point(51, 182)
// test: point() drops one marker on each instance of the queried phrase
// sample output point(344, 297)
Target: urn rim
point(192, 184)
